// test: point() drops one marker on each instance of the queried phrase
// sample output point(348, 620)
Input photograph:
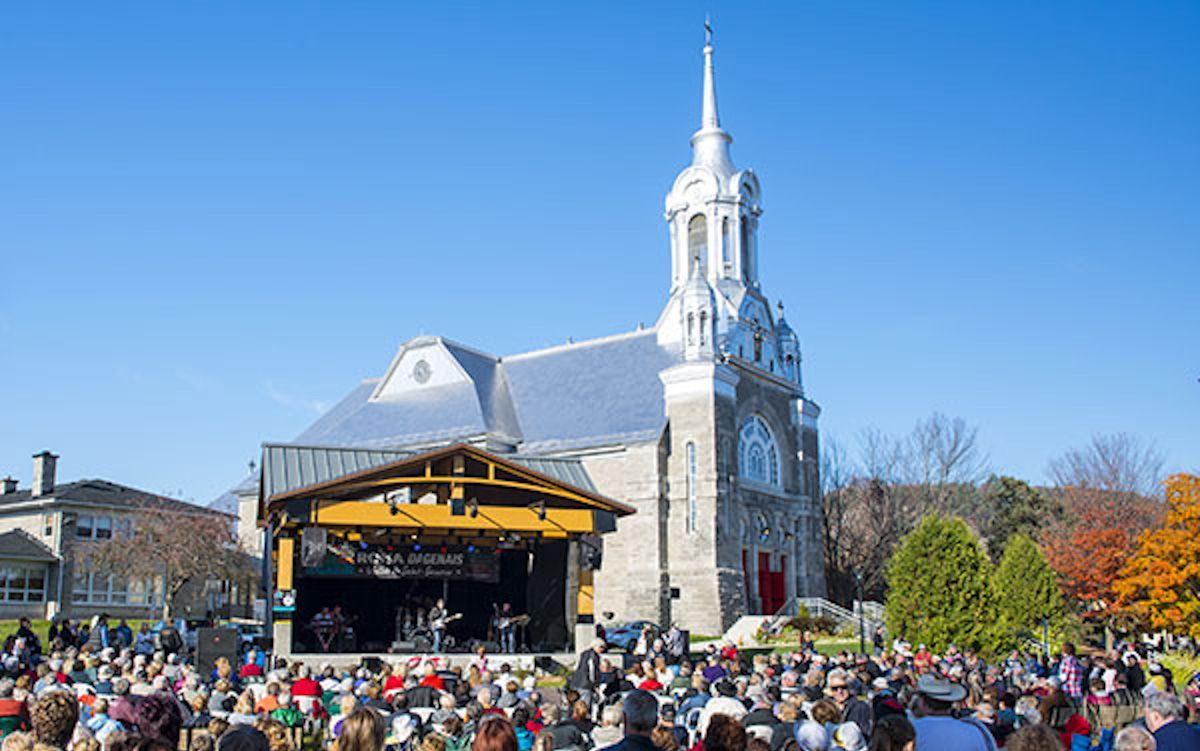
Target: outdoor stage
point(547, 661)
point(371, 540)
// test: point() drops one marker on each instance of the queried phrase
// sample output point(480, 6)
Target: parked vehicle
point(625, 635)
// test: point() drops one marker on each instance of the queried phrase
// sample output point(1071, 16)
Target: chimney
point(43, 473)
point(8, 485)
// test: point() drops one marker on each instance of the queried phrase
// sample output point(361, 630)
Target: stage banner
point(410, 562)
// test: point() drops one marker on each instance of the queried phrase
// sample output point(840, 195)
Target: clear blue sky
point(215, 218)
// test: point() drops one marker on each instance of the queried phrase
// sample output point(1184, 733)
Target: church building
point(698, 426)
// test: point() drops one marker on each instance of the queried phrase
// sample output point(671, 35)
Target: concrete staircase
point(743, 632)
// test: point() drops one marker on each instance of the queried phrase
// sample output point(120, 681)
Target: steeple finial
point(709, 119)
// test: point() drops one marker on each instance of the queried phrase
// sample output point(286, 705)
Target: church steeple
point(710, 144)
point(712, 213)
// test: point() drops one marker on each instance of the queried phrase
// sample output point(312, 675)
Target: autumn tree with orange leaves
point(1160, 585)
point(1107, 490)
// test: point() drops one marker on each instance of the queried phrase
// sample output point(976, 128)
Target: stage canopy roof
point(458, 490)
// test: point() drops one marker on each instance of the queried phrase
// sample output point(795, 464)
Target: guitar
point(437, 624)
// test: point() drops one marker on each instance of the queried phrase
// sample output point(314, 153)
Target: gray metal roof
point(592, 393)
point(288, 467)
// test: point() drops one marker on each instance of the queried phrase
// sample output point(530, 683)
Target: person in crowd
point(244, 738)
point(586, 677)
point(363, 730)
point(1070, 673)
point(53, 719)
point(1165, 720)
point(639, 713)
point(936, 725)
point(811, 736)
point(564, 734)
point(852, 708)
point(610, 731)
point(1134, 738)
point(494, 733)
point(893, 732)
point(1032, 738)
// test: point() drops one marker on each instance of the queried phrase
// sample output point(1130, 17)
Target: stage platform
point(518, 661)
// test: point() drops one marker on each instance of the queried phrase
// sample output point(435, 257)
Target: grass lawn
point(833, 646)
point(9, 626)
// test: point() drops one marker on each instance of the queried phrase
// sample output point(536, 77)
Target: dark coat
point(1177, 736)
point(632, 743)
point(587, 673)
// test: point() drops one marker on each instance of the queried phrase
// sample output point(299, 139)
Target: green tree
point(1014, 507)
point(1026, 591)
point(940, 588)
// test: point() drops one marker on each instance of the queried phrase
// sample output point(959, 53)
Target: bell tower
point(712, 209)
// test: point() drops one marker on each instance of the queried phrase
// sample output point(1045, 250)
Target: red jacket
point(306, 687)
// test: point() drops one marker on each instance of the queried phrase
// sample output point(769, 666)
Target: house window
point(22, 583)
point(92, 588)
point(692, 512)
point(94, 527)
point(758, 456)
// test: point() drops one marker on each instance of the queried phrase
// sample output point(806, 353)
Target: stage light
point(362, 545)
point(413, 536)
point(470, 548)
point(473, 507)
point(443, 549)
point(539, 507)
point(417, 547)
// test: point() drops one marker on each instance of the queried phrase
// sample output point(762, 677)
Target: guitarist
point(438, 618)
point(504, 625)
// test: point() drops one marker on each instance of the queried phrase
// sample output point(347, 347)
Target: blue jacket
point(1177, 736)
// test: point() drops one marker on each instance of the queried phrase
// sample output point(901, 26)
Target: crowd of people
point(90, 697)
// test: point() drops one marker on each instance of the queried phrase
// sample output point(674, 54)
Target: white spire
point(710, 144)
point(709, 118)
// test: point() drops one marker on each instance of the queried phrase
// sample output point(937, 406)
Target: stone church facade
point(701, 422)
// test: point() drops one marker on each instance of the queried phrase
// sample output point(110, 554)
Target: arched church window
point(697, 242)
point(692, 512)
point(726, 245)
point(691, 328)
point(747, 269)
point(758, 455)
point(703, 329)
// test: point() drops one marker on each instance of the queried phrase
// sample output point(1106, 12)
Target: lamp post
point(862, 628)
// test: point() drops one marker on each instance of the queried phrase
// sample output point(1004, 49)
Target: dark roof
point(105, 493)
point(21, 545)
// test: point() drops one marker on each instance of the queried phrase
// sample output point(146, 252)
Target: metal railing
point(817, 607)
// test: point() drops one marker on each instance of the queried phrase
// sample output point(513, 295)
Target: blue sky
point(218, 217)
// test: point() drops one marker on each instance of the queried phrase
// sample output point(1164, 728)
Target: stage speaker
point(547, 664)
point(214, 643)
point(373, 664)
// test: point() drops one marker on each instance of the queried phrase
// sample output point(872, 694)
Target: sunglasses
point(839, 688)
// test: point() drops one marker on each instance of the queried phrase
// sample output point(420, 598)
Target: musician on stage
point(504, 625)
point(438, 616)
point(324, 627)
